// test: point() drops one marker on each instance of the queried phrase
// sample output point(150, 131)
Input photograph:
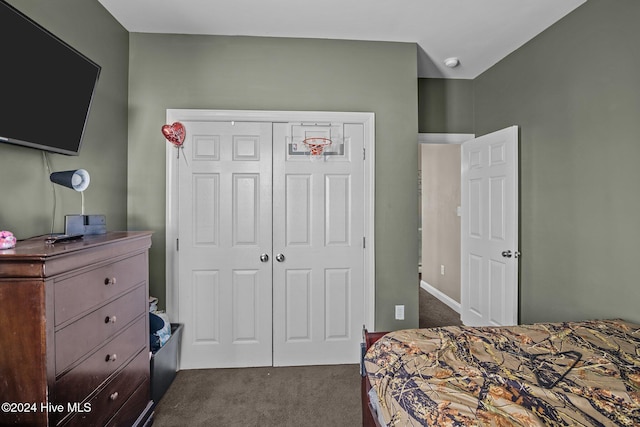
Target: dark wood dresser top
point(35, 257)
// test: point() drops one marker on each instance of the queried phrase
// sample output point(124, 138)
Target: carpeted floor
point(304, 396)
point(434, 313)
point(292, 396)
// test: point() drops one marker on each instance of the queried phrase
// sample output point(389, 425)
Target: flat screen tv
point(46, 86)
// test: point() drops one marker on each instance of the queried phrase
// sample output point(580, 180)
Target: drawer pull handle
point(110, 319)
point(111, 357)
point(113, 396)
point(110, 281)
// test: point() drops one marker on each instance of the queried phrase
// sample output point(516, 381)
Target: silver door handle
point(280, 258)
point(264, 257)
point(506, 254)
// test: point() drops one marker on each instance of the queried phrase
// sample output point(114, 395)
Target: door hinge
point(364, 154)
point(364, 242)
point(177, 245)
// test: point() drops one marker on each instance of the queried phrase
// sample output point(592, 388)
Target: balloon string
point(183, 155)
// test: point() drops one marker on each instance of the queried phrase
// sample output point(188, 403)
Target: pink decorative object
point(174, 133)
point(7, 240)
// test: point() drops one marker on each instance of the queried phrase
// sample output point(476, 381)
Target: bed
point(560, 374)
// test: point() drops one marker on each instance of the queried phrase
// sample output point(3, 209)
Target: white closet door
point(225, 226)
point(318, 229)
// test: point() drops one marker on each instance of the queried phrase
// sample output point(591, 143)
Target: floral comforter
point(556, 374)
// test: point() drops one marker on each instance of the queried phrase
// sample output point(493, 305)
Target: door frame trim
point(367, 119)
point(444, 138)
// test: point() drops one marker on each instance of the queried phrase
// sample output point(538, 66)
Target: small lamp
point(76, 180)
point(79, 180)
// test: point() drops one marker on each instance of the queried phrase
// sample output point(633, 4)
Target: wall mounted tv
point(46, 86)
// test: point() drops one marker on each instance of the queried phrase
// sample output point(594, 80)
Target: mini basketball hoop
point(316, 145)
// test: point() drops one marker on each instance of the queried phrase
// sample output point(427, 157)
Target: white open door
point(489, 247)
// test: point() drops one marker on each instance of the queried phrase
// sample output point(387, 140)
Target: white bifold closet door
point(225, 226)
point(270, 252)
point(318, 211)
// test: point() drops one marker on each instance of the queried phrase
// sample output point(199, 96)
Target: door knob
point(280, 258)
point(264, 257)
point(506, 254)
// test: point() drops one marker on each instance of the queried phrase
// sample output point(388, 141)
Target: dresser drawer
point(130, 411)
point(78, 383)
point(80, 337)
point(109, 400)
point(78, 294)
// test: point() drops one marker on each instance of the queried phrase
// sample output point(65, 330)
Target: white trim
point(171, 230)
point(369, 220)
point(444, 138)
point(453, 304)
point(268, 116)
point(172, 220)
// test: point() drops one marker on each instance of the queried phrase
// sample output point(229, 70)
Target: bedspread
point(558, 374)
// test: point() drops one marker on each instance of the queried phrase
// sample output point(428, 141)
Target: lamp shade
point(77, 179)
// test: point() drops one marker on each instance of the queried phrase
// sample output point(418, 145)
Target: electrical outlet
point(399, 312)
point(442, 269)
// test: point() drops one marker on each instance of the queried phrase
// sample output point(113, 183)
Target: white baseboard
point(453, 304)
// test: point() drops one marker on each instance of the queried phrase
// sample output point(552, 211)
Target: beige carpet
point(305, 396)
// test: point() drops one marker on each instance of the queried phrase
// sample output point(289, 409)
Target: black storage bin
point(164, 364)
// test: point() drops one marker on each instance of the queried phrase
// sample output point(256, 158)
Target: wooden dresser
point(74, 332)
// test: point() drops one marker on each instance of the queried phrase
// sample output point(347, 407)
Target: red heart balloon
point(174, 133)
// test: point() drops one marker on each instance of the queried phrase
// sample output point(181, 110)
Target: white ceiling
point(479, 32)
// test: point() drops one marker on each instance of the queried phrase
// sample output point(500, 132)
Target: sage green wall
point(25, 190)
point(575, 93)
point(254, 73)
point(445, 105)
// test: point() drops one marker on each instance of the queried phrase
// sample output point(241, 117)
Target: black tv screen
point(46, 86)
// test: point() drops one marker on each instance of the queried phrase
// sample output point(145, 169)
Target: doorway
point(488, 227)
point(440, 169)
